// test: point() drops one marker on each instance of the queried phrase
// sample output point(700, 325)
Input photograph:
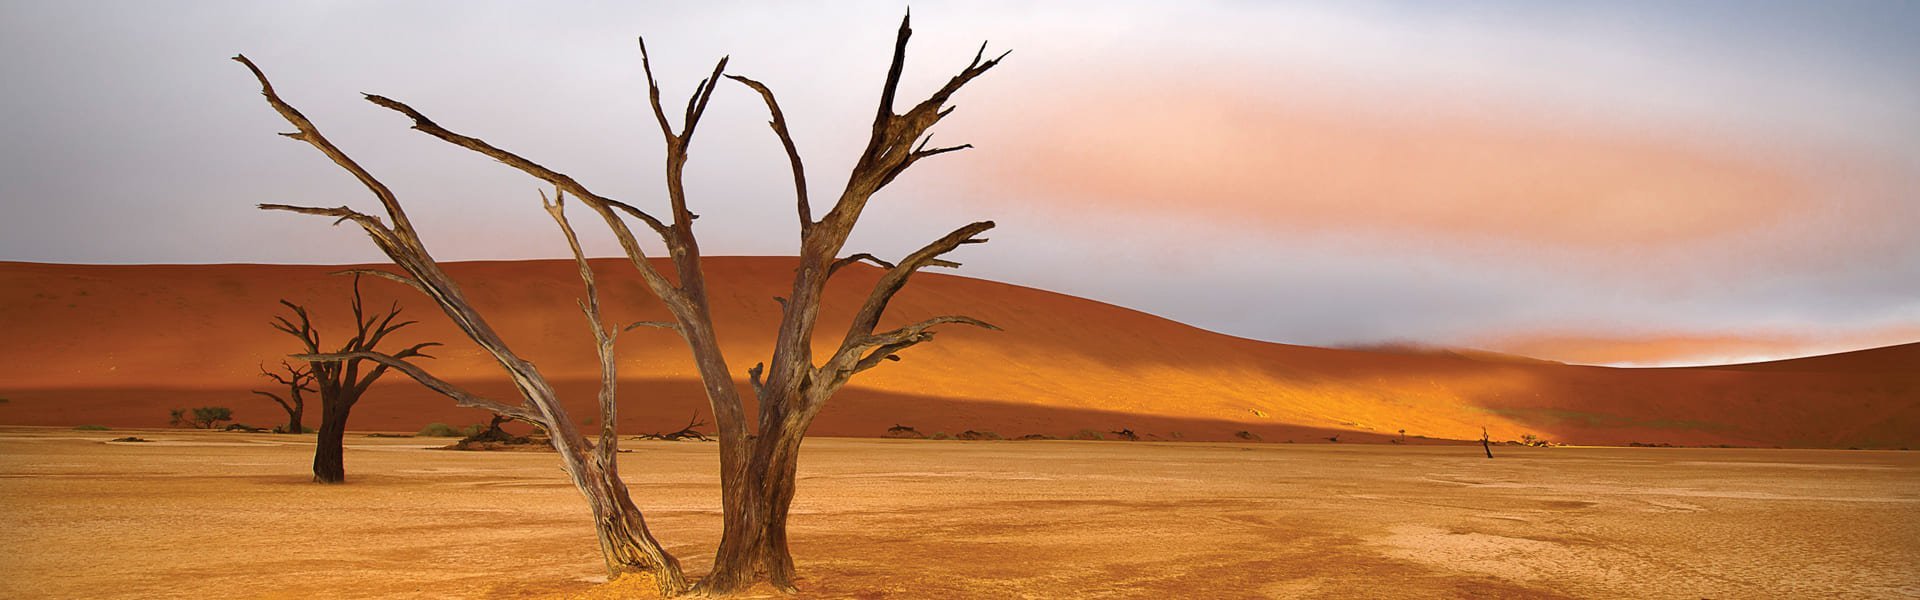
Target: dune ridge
point(117, 345)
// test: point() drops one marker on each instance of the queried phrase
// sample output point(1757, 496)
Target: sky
point(1621, 183)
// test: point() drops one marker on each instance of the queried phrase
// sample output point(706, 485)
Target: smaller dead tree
point(1486, 442)
point(690, 432)
point(341, 382)
point(299, 381)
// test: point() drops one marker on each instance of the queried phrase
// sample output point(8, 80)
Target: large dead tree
point(625, 542)
point(341, 382)
point(758, 463)
point(299, 382)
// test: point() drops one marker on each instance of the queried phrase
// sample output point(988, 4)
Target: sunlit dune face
point(1290, 165)
point(1694, 349)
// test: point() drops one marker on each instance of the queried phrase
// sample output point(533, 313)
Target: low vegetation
point(1534, 441)
point(205, 417)
point(445, 430)
point(903, 431)
point(92, 428)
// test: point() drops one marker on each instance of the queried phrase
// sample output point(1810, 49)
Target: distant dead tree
point(341, 382)
point(758, 464)
point(1486, 442)
point(690, 432)
point(299, 381)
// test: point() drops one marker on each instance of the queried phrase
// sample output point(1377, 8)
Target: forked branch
point(608, 447)
point(402, 228)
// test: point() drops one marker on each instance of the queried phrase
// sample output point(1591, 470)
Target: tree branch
point(895, 278)
point(276, 398)
point(884, 346)
point(387, 275)
point(460, 397)
point(402, 228)
point(675, 327)
point(609, 444)
point(560, 180)
point(877, 261)
point(779, 125)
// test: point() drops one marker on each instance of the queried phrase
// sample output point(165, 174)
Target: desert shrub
point(91, 428)
point(940, 435)
point(131, 439)
point(1250, 436)
point(245, 427)
point(1035, 436)
point(442, 430)
point(978, 435)
point(204, 417)
point(1086, 434)
point(212, 415)
point(904, 431)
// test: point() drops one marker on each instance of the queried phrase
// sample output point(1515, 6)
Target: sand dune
point(118, 345)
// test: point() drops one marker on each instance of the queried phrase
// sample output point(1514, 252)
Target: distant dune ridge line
point(118, 345)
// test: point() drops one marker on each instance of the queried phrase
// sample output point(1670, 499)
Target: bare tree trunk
point(625, 543)
point(778, 489)
point(329, 460)
point(294, 424)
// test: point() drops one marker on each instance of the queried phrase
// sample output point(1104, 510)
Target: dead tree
point(1486, 443)
point(690, 432)
point(758, 464)
point(341, 382)
point(625, 542)
point(298, 380)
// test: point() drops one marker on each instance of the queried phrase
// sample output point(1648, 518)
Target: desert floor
point(202, 514)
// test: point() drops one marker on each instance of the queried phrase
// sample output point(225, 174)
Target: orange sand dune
point(118, 345)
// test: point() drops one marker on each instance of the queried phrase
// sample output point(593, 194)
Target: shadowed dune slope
point(118, 345)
